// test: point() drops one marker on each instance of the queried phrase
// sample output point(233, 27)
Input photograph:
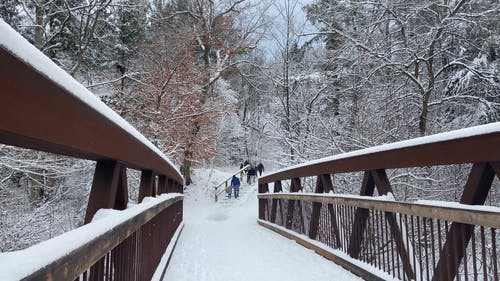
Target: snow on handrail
point(86, 244)
point(470, 145)
point(33, 76)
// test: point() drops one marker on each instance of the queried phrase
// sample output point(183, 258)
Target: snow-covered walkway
point(223, 242)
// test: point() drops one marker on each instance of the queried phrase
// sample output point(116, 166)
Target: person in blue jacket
point(235, 182)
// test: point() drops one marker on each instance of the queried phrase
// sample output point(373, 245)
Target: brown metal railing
point(408, 241)
point(124, 250)
point(45, 109)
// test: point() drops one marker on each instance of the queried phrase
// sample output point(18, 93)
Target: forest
point(216, 82)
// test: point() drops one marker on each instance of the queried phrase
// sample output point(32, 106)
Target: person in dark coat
point(260, 167)
point(235, 183)
point(252, 173)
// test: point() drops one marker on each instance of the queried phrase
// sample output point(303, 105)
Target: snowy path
point(223, 242)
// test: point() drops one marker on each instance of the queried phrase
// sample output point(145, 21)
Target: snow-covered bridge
point(376, 238)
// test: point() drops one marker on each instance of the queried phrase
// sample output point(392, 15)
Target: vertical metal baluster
point(359, 237)
point(105, 276)
point(386, 243)
point(483, 254)
point(414, 242)
point(369, 237)
point(321, 228)
point(407, 244)
point(328, 225)
point(324, 230)
point(350, 224)
point(380, 240)
point(424, 222)
point(494, 254)
point(464, 254)
point(283, 212)
point(121, 264)
point(456, 261)
point(341, 226)
point(388, 240)
point(138, 254)
point(440, 248)
point(457, 275)
point(129, 258)
point(346, 228)
point(376, 239)
point(366, 237)
point(397, 256)
point(448, 261)
point(382, 220)
point(392, 251)
point(474, 264)
point(329, 228)
point(433, 247)
point(419, 248)
point(102, 268)
point(112, 262)
point(111, 265)
point(319, 236)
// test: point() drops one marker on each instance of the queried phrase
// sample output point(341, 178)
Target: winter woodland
point(213, 83)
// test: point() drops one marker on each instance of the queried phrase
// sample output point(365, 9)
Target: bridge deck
point(224, 242)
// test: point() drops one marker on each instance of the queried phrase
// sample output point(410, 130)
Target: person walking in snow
point(260, 167)
point(235, 183)
point(252, 173)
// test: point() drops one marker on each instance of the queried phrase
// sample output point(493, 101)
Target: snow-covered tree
point(423, 44)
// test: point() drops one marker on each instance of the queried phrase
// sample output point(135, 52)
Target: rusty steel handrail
point(462, 215)
point(467, 147)
point(44, 108)
point(73, 264)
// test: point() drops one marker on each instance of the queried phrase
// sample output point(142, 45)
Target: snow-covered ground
point(224, 242)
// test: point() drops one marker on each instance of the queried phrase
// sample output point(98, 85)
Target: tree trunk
point(422, 124)
point(39, 26)
point(186, 167)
